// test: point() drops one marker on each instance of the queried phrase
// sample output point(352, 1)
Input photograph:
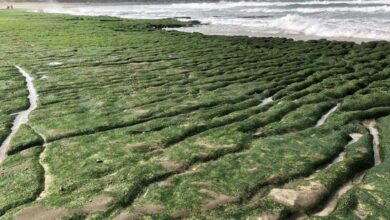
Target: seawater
point(354, 20)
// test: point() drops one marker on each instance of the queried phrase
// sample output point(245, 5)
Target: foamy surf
point(353, 20)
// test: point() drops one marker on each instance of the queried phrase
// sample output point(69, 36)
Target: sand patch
point(219, 200)
point(368, 187)
point(171, 165)
point(138, 64)
point(303, 197)
point(98, 204)
point(258, 133)
point(185, 125)
point(151, 209)
point(209, 193)
point(276, 177)
point(355, 137)
point(41, 213)
point(166, 183)
point(38, 5)
point(361, 211)
point(203, 156)
point(55, 63)
point(255, 168)
point(47, 177)
point(27, 153)
point(214, 146)
point(193, 75)
point(139, 111)
point(254, 201)
point(126, 216)
point(269, 217)
point(180, 214)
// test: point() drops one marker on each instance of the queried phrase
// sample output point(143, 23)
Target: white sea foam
point(301, 25)
point(308, 19)
point(370, 9)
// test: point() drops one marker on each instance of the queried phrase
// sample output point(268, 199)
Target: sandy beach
point(46, 5)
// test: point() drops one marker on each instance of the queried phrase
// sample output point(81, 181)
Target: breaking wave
point(309, 26)
point(346, 19)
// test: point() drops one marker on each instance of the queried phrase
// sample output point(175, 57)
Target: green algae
point(369, 198)
point(20, 179)
point(171, 124)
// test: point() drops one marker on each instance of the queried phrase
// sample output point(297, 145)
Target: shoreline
point(203, 28)
point(207, 29)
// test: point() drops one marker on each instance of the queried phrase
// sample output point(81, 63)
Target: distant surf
point(352, 20)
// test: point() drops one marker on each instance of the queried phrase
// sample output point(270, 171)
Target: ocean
point(351, 20)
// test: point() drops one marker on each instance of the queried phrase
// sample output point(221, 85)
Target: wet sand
point(42, 5)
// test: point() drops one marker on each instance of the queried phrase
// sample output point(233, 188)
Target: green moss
point(13, 97)
point(369, 199)
point(168, 121)
point(20, 179)
point(23, 139)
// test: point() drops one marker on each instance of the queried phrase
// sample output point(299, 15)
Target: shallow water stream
point(21, 117)
point(357, 179)
point(326, 116)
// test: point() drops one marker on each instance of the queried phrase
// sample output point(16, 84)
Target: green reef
point(136, 122)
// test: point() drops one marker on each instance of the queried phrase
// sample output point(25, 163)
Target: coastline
point(218, 30)
point(140, 122)
point(204, 28)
